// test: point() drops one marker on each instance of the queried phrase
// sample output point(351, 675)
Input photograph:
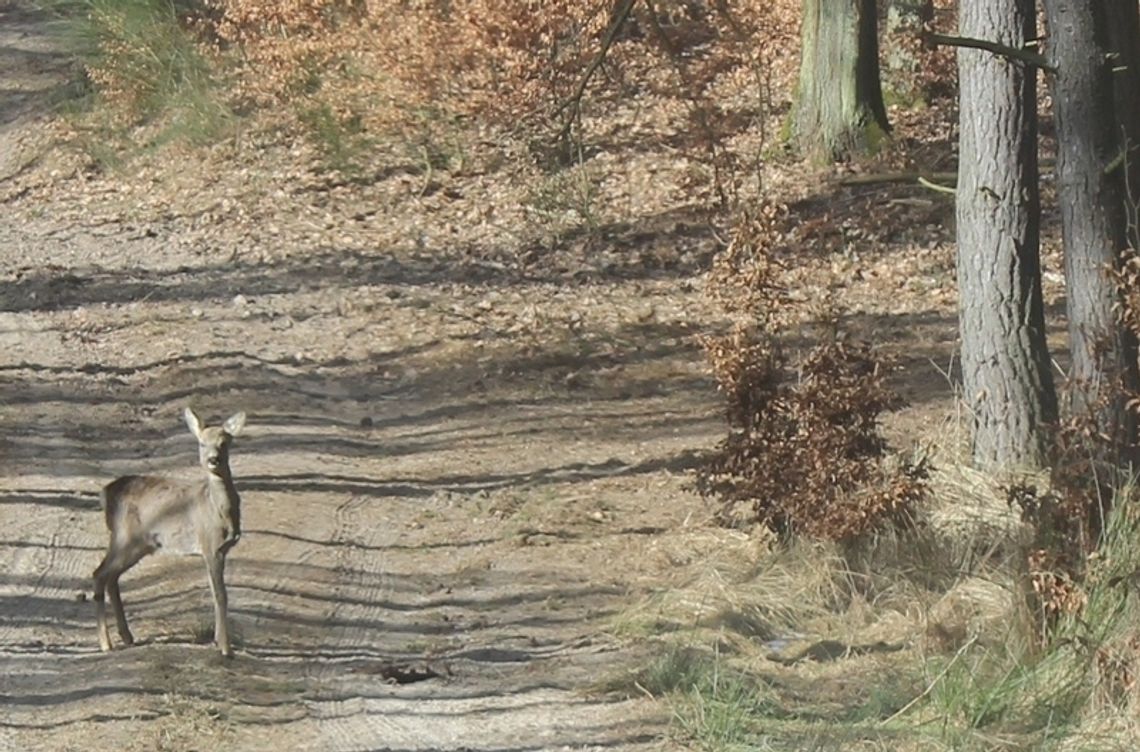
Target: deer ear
point(234, 424)
point(193, 422)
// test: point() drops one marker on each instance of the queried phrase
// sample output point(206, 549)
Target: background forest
point(864, 269)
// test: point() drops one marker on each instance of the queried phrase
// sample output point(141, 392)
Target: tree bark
point(1094, 222)
point(840, 110)
point(1005, 362)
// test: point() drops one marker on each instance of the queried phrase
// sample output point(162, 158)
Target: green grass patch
point(568, 200)
point(1057, 694)
point(340, 139)
point(147, 80)
point(718, 706)
point(983, 690)
point(714, 705)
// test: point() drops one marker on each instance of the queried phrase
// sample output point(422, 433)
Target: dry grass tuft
point(969, 507)
point(728, 582)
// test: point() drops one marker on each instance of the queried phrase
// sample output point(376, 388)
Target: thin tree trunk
point(901, 62)
point(1005, 362)
point(1124, 45)
point(840, 109)
point(1093, 219)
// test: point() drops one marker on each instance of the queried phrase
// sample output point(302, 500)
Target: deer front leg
point(216, 567)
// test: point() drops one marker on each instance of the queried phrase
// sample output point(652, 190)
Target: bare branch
point(574, 102)
point(898, 177)
point(1025, 56)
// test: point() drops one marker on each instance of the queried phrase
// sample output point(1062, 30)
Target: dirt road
point(452, 489)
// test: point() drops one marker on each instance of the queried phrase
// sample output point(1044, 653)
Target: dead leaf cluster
point(803, 454)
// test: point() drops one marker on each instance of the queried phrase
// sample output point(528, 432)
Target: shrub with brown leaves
point(500, 60)
point(803, 454)
point(468, 56)
point(1055, 562)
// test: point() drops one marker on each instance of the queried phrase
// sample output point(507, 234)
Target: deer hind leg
point(106, 577)
point(100, 577)
point(216, 568)
point(117, 607)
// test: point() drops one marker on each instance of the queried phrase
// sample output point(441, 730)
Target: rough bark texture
point(840, 108)
point(1093, 218)
point(1005, 362)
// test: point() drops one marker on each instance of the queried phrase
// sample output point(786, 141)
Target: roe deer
point(149, 514)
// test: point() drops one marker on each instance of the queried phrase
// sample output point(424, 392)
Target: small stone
point(646, 313)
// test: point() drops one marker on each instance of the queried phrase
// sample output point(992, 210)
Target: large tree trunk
point(1005, 362)
point(1093, 218)
point(840, 108)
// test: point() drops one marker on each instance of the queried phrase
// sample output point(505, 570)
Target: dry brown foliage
point(1066, 518)
point(1055, 562)
point(803, 454)
point(1116, 669)
point(496, 58)
point(391, 65)
point(1069, 517)
point(1127, 279)
point(434, 81)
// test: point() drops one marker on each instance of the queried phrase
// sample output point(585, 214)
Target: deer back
point(169, 516)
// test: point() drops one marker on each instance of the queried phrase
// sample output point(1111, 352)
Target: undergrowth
point(1053, 667)
point(998, 688)
point(153, 79)
point(803, 454)
point(351, 76)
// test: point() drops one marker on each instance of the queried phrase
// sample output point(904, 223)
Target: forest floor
point(470, 449)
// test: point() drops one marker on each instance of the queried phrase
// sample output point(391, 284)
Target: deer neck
point(224, 497)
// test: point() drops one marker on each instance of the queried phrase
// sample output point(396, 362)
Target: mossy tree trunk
point(840, 110)
point(1008, 387)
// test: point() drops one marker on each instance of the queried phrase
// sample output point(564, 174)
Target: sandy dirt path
point(444, 520)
